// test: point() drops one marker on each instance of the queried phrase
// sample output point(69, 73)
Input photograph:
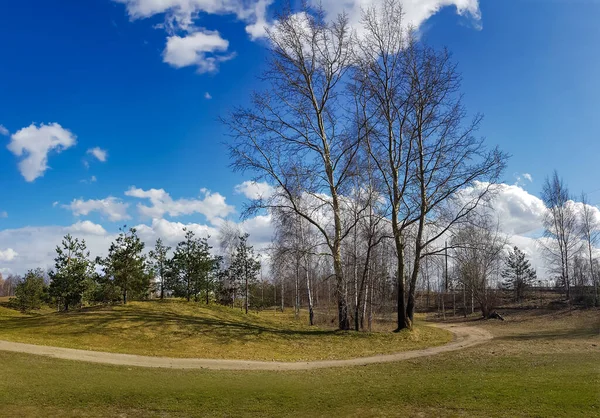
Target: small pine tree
point(73, 271)
point(518, 273)
point(32, 291)
point(192, 267)
point(245, 267)
point(126, 265)
point(159, 264)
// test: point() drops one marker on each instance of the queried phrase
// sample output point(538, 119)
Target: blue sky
point(97, 68)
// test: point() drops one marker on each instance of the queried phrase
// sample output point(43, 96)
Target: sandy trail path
point(464, 336)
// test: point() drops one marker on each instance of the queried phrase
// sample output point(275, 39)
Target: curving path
point(464, 336)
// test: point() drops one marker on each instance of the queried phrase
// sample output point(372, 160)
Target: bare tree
point(478, 249)
point(426, 153)
point(295, 245)
point(293, 135)
point(590, 232)
point(561, 237)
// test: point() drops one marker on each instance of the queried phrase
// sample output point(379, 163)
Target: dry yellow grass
point(176, 328)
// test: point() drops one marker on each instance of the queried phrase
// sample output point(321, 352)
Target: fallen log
point(495, 315)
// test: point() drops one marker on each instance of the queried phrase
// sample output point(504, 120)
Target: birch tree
point(293, 135)
point(561, 237)
point(589, 229)
point(422, 142)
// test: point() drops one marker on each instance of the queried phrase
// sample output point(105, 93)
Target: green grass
point(539, 364)
point(521, 373)
point(177, 328)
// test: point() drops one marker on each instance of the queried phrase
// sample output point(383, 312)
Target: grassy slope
point(538, 366)
point(179, 329)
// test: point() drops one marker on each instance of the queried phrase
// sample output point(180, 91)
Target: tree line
point(190, 271)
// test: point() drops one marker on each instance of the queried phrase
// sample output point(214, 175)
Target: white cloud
point(35, 144)
point(8, 255)
point(261, 230)
point(111, 207)
point(172, 232)
point(257, 29)
point(180, 14)
point(87, 227)
point(199, 45)
point(200, 49)
point(35, 245)
point(254, 190)
point(4, 214)
point(99, 153)
point(4, 131)
point(212, 205)
point(92, 179)
point(593, 210)
point(518, 211)
point(207, 96)
point(521, 179)
point(416, 12)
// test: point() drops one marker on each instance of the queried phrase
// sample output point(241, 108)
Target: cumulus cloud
point(35, 245)
point(4, 131)
point(111, 207)
point(35, 143)
point(87, 227)
point(211, 205)
point(416, 12)
point(261, 230)
point(100, 154)
point(8, 255)
point(578, 208)
point(31, 247)
point(203, 49)
point(254, 190)
point(198, 46)
point(173, 232)
point(181, 14)
point(519, 211)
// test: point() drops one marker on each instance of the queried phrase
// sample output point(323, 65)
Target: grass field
point(539, 365)
point(177, 328)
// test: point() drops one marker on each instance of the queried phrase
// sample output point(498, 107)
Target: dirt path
point(464, 336)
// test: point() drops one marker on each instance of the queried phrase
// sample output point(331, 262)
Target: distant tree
point(589, 229)
point(73, 270)
point(245, 267)
point(518, 274)
point(32, 291)
point(125, 264)
point(561, 237)
point(10, 285)
point(477, 253)
point(159, 264)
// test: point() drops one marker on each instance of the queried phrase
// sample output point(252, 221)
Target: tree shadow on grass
point(116, 323)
